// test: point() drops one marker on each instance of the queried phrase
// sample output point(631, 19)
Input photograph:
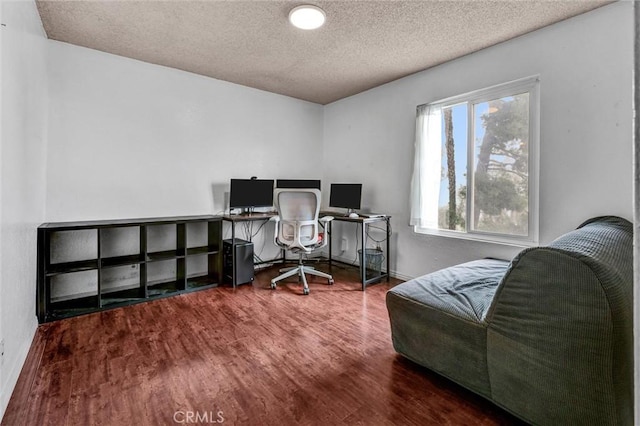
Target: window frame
point(530, 85)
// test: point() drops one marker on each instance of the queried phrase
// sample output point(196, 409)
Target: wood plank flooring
point(250, 356)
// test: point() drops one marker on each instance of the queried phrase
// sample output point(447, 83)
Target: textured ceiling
point(363, 43)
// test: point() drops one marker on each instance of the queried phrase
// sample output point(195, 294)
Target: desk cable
point(368, 237)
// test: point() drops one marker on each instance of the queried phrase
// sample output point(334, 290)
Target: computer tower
point(243, 271)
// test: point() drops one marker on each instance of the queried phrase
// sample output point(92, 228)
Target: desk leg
point(234, 284)
point(330, 244)
point(388, 252)
point(363, 258)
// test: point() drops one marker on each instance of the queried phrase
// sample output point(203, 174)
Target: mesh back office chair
point(297, 230)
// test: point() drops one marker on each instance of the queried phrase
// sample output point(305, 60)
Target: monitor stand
point(349, 211)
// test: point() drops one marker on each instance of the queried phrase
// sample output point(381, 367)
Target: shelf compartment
point(165, 277)
point(196, 234)
point(73, 293)
point(121, 282)
point(73, 289)
point(203, 237)
point(164, 239)
point(119, 241)
point(70, 267)
point(68, 247)
point(111, 262)
point(198, 272)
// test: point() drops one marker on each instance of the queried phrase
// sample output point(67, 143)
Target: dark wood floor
point(250, 356)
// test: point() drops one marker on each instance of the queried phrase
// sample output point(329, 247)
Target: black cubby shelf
point(89, 266)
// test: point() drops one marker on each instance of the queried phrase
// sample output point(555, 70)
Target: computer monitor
point(345, 195)
point(249, 193)
point(298, 183)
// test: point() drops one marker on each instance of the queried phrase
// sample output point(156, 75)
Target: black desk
point(248, 217)
point(363, 222)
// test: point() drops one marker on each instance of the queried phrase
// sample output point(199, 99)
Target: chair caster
point(273, 285)
point(305, 291)
point(331, 282)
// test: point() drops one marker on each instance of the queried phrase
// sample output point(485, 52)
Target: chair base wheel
point(331, 282)
point(305, 291)
point(273, 286)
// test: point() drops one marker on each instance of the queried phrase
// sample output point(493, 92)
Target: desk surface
point(341, 217)
point(244, 217)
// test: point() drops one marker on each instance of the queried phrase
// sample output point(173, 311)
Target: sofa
point(547, 336)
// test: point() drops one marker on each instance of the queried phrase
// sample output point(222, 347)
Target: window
point(476, 165)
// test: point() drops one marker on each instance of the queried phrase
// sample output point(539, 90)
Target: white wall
point(585, 67)
point(22, 188)
point(132, 139)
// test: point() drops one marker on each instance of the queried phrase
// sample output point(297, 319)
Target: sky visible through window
point(459, 119)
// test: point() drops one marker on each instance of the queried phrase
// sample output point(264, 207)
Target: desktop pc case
point(244, 261)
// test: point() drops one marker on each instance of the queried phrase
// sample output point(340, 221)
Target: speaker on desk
point(243, 271)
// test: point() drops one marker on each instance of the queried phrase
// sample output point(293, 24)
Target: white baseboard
point(13, 371)
point(401, 276)
point(350, 260)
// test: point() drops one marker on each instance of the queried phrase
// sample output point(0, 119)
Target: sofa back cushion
point(605, 244)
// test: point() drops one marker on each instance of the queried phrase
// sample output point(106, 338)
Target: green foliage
point(459, 222)
point(507, 129)
point(501, 176)
point(496, 193)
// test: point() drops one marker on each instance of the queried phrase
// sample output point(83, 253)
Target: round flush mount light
point(307, 17)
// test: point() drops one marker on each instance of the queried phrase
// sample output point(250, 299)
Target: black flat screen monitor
point(298, 183)
point(246, 193)
point(345, 195)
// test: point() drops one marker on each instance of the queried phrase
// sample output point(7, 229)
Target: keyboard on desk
point(372, 215)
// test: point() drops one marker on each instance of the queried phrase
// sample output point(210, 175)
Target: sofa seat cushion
point(465, 290)
point(438, 320)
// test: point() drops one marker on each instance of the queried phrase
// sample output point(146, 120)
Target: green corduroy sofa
point(547, 336)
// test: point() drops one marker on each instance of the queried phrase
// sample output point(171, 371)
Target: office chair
point(297, 230)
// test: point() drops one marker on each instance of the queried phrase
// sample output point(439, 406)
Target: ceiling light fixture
point(307, 17)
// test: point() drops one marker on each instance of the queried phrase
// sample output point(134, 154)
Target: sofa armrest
point(554, 339)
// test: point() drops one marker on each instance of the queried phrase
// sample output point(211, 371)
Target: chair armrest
point(276, 221)
point(325, 219)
